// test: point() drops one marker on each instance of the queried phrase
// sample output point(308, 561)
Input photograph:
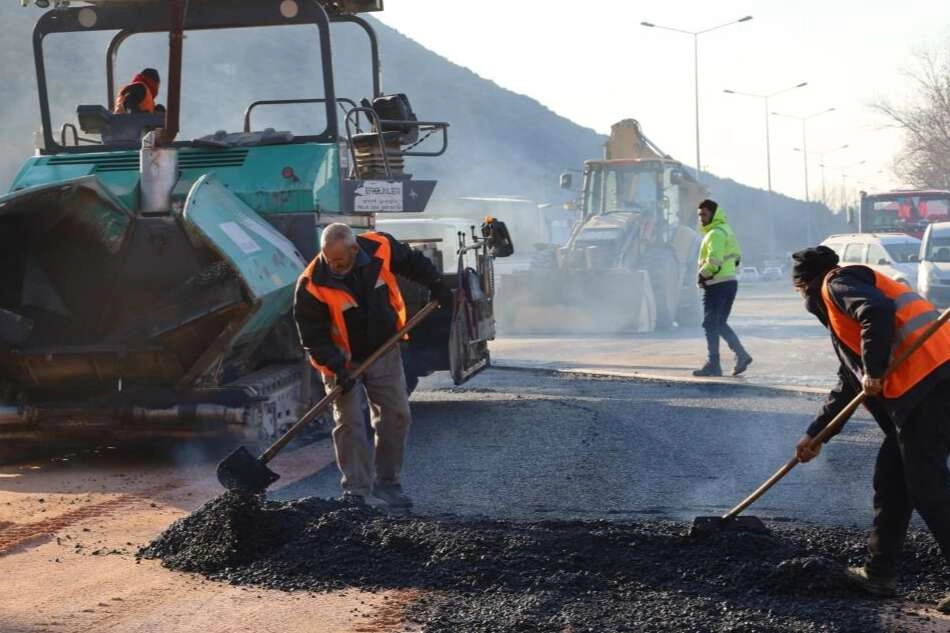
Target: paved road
point(528, 444)
point(790, 347)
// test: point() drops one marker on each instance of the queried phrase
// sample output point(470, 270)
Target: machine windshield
point(633, 190)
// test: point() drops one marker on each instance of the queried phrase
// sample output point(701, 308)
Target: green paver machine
point(149, 277)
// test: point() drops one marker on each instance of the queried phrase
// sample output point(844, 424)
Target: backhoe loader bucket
point(576, 302)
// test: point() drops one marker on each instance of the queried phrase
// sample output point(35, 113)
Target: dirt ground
point(69, 531)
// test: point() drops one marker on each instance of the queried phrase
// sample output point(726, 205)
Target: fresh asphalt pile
point(488, 575)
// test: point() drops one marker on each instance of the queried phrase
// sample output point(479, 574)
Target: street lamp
point(821, 163)
point(844, 178)
point(765, 99)
point(768, 150)
point(696, 35)
point(804, 120)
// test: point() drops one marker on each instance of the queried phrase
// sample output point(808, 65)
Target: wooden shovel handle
point(838, 421)
point(337, 391)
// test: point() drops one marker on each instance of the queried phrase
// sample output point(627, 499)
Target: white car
point(772, 273)
point(892, 254)
point(748, 273)
point(933, 277)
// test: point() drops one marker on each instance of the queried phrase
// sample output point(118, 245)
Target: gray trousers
point(384, 385)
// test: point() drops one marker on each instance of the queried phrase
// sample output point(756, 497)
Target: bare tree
point(924, 160)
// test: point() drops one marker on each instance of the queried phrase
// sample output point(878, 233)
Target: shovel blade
point(242, 472)
point(704, 526)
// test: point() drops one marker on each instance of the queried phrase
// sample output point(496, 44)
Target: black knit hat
point(152, 74)
point(812, 263)
point(709, 205)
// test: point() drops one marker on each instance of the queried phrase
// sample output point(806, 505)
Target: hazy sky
point(592, 62)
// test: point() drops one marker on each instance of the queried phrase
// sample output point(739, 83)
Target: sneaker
point(709, 369)
point(944, 605)
point(393, 495)
point(352, 499)
point(877, 585)
point(743, 361)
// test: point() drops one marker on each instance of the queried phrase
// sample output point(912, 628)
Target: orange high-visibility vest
point(913, 315)
point(339, 301)
point(147, 105)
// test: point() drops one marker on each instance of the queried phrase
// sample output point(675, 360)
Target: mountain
point(500, 142)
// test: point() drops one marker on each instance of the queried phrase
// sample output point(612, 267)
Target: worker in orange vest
point(873, 319)
point(139, 95)
point(347, 305)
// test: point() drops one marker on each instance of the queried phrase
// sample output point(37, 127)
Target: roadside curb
point(735, 383)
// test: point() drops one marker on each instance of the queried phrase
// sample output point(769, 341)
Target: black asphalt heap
point(483, 575)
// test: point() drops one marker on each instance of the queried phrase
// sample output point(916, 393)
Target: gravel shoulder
point(69, 532)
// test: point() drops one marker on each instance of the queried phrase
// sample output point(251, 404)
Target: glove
point(701, 281)
point(343, 379)
point(441, 293)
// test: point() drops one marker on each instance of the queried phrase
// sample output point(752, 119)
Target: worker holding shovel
point(347, 306)
point(873, 319)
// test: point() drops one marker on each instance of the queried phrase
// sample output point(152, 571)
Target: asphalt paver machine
point(149, 277)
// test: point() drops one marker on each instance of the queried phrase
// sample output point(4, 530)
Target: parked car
point(772, 273)
point(933, 276)
point(892, 254)
point(748, 273)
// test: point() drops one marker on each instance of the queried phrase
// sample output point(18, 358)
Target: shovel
point(241, 471)
point(733, 522)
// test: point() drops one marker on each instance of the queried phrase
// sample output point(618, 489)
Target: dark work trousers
point(717, 304)
point(911, 474)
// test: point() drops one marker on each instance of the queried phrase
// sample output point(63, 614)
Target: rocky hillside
point(501, 143)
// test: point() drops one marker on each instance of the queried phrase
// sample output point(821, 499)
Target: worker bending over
point(872, 320)
point(347, 305)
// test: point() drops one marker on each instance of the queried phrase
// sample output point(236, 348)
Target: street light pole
point(699, 165)
point(696, 34)
point(768, 151)
point(804, 121)
point(821, 163)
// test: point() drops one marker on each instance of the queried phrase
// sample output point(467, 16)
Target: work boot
point(393, 495)
point(944, 605)
point(711, 368)
point(352, 499)
point(743, 360)
point(882, 586)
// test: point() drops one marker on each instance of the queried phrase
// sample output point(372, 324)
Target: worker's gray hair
point(335, 233)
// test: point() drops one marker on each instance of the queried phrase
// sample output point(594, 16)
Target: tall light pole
point(804, 121)
point(768, 150)
point(696, 35)
point(821, 163)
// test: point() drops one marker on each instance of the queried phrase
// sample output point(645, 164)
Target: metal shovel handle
point(838, 421)
point(337, 390)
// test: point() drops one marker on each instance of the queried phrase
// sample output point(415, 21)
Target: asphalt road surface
point(791, 349)
point(534, 444)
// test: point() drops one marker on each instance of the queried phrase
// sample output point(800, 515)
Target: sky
point(593, 63)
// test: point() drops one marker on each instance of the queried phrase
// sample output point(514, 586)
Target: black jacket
point(373, 321)
point(854, 291)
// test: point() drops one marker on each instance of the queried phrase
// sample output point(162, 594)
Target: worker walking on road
point(347, 305)
point(719, 258)
point(872, 319)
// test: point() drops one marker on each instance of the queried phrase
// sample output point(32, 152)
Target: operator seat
point(117, 128)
